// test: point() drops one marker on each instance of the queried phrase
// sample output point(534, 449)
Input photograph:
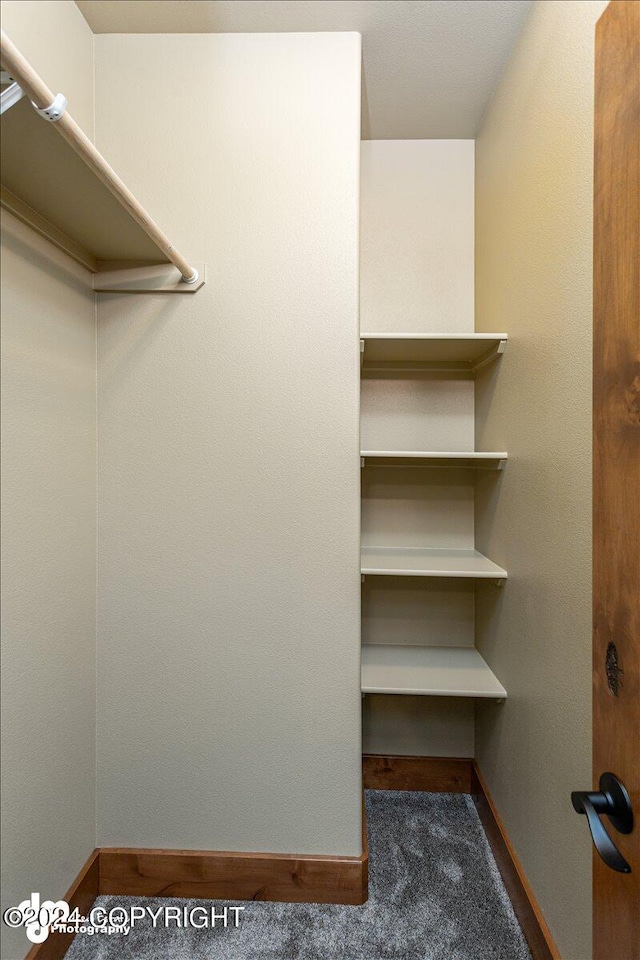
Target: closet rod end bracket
point(55, 111)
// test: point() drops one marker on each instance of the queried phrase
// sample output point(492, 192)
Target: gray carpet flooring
point(434, 894)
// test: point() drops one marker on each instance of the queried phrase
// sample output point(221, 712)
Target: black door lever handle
point(612, 800)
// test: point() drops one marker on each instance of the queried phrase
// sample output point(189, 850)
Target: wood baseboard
point(302, 879)
point(211, 875)
point(215, 875)
point(81, 894)
point(525, 905)
point(431, 774)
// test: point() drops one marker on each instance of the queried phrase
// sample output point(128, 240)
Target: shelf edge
point(40, 225)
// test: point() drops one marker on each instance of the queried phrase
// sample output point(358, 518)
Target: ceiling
point(429, 66)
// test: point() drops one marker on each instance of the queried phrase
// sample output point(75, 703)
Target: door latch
point(613, 800)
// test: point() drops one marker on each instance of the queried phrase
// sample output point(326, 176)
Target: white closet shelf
point(430, 351)
point(428, 671)
point(479, 460)
point(56, 181)
point(428, 562)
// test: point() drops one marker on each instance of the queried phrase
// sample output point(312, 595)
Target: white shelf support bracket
point(493, 354)
point(55, 111)
point(500, 583)
point(362, 462)
point(10, 96)
point(361, 352)
point(362, 578)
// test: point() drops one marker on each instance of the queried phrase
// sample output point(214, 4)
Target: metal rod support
point(10, 95)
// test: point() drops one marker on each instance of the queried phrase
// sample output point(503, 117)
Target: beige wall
point(229, 587)
point(48, 531)
point(229, 661)
point(533, 269)
point(416, 275)
point(416, 257)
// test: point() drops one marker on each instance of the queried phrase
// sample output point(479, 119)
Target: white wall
point(229, 618)
point(417, 255)
point(48, 531)
point(416, 270)
point(534, 279)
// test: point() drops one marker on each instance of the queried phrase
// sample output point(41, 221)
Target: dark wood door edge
point(81, 894)
point(616, 464)
point(525, 905)
point(431, 774)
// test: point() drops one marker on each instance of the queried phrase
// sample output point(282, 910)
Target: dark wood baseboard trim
point(302, 879)
point(216, 875)
point(212, 875)
point(525, 905)
point(431, 774)
point(81, 894)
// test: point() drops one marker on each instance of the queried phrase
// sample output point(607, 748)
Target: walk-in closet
point(318, 545)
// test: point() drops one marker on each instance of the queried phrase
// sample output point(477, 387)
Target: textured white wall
point(229, 618)
point(48, 530)
point(534, 279)
point(416, 275)
point(417, 239)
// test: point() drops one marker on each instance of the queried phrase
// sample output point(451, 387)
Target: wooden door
point(616, 463)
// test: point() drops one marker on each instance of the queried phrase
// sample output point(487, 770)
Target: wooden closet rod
point(20, 70)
